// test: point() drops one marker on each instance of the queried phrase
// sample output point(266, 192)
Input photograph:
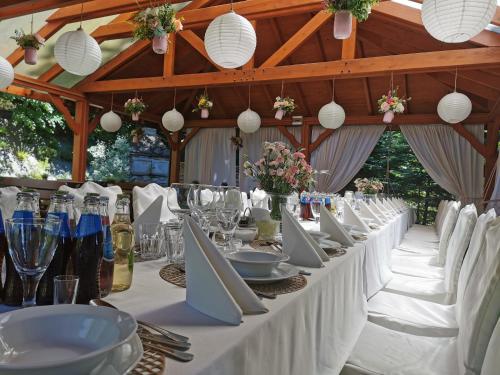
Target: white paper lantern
point(111, 122)
point(230, 40)
point(454, 107)
point(78, 53)
point(172, 120)
point(249, 121)
point(6, 73)
point(331, 116)
point(453, 21)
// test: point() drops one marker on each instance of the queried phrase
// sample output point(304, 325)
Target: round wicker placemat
point(173, 274)
point(151, 363)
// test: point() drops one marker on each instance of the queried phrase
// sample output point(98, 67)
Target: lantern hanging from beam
point(249, 121)
point(6, 73)
point(453, 21)
point(111, 122)
point(331, 115)
point(455, 107)
point(172, 120)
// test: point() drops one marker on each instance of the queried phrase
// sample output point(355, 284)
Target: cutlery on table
point(160, 339)
point(169, 352)
point(265, 295)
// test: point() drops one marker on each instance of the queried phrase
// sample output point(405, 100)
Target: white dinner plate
point(122, 359)
point(281, 272)
point(329, 244)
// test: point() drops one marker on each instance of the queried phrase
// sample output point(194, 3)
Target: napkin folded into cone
point(299, 245)
point(352, 218)
point(152, 214)
point(213, 287)
point(367, 212)
point(329, 224)
point(377, 211)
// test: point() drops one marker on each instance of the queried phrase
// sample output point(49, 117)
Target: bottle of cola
point(58, 208)
point(3, 245)
point(13, 288)
point(108, 258)
point(72, 220)
point(87, 254)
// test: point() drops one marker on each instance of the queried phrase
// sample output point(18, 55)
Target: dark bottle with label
point(87, 254)
point(13, 288)
point(72, 218)
point(3, 245)
point(45, 292)
point(108, 258)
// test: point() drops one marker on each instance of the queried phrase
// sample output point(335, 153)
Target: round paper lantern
point(249, 121)
point(453, 21)
point(230, 40)
point(78, 53)
point(454, 107)
point(331, 116)
point(6, 73)
point(111, 122)
point(172, 120)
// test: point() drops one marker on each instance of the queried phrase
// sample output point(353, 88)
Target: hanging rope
point(81, 16)
point(456, 76)
point(388, 164)
point(175, 95)
point(333, 89)
point(232, 6)
point(32, 23)
point(136, 95)
point(282, 89)
point(392, 82)
point(249, 96)
point(112, 100)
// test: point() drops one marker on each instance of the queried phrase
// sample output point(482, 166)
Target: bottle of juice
point(108, 259)
point(122, 233)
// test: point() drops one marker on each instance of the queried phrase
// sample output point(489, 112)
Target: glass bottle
point(122, 233)
point(13, 288)
point(3, 245)
point(72, 220)
point(57, 207)
point(36, 201)
point(108, 259)
point(87, 253)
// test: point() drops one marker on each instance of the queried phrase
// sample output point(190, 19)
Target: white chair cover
point(259, 198)
point(448, 226)
point(491, 362)
point(8, 201)
point(142, 198)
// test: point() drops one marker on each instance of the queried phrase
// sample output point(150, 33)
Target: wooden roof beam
point(349, 44)
point(197, 43)
point(366, 83)
point(424, 62)
point(32, 83)
point(20, 8)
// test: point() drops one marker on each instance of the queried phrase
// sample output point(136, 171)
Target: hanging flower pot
point(6, 107)
point(30, 43)
point(134, 107)
point(204, 113)
point(30, 55)
point(204, 105)
point(279, 114)
point(160, 44)
point(135, 116)
point(388, 117)
point(283, 105)
point(342, 24)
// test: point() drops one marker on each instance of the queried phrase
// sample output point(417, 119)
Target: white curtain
point(495, 196)
point(449, 159)
point(210, 157)
point(252, 148)
point(343, 154)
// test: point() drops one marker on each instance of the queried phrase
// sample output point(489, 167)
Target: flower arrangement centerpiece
point(30, 43)
point(390, 104)
point(283, 106)
point(135, 106)
point(280, 172)
point(156, 24)
point(368, 185)
point(204, 105)
point(344, 10)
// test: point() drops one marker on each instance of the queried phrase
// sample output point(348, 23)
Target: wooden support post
point(80, 140)
point(169, 58)
point(175, 158)
point(493, 137)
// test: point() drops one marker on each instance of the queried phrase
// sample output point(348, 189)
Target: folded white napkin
point(383, 209)
point(8, 201)
point(367, 212)
point(213, 287)
point(388, 204)
point(377, 211)
point(91, 187)
point(352, 218)
point(151, 215)
point(259, 198)
point(261, 214)
point(142, 197)
point(329, 224)
point(299, 245)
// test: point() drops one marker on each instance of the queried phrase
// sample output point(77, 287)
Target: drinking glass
point(174, 242)
point(151, 240)
point(339, 203)
point(228, 208)
point(179, 205)
point(32, 243)
point(65, 289)
point(316, 203)
point(201, 203)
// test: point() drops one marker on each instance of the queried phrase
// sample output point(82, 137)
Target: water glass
point(174, 243)
point(151, 240)
point(65, 289)
point(179, 205)
point(228, 208)
point(316, 204)
point(32, 243)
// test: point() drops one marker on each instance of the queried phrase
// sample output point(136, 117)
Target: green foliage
point(408, 178)
point(359, 8)
point(110, 163)
point(156, 22)
point(24, 40)
point(6, 105)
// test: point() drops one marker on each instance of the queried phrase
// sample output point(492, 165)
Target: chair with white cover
point(429, 233)
point(8, 201)
point(143, 197)
point(259, 198)
point(416, 316)
point(491, 362)
point(380, 350)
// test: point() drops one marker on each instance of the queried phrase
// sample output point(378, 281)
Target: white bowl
point(61, 339)
point(246, 235)
point(255, 263)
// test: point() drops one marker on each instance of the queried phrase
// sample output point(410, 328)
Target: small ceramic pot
point(204, 113)
point(279, 114)
point(388, 117)
point(30, 56)
point(342, 24)
point(160, 44)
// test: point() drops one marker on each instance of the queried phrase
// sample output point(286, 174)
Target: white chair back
point(447, 230)
point(143, 197)
point(8, 201)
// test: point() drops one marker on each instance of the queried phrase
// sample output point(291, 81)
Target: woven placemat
point(173, 274)
point(151, 363)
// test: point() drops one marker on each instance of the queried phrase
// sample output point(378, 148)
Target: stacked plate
point(68, 339)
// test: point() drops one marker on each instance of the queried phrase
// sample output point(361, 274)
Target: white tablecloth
point(311, 331)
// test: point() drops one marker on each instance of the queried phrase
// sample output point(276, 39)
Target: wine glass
point(179, 204)
point(32, 243)
point(228, 208)
point(316, 203)
point(201, 201)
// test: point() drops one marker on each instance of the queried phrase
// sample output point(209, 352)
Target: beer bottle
point(108, 259)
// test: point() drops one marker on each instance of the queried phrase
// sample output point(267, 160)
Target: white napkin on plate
point(299, 245)
point(143, 197)
point(213, 287)
point(8, 201)
point(91, 187)
point(352, 218)
point(151, 215)
point(367, 212)
point(329, 224)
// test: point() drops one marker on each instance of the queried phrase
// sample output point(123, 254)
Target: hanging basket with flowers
point(344, 10)
point(6, 107)
point(30, 43)
point(390, 104)
point(283, 106)
point(204, 105)
point(156, 24)
point(135, 107)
